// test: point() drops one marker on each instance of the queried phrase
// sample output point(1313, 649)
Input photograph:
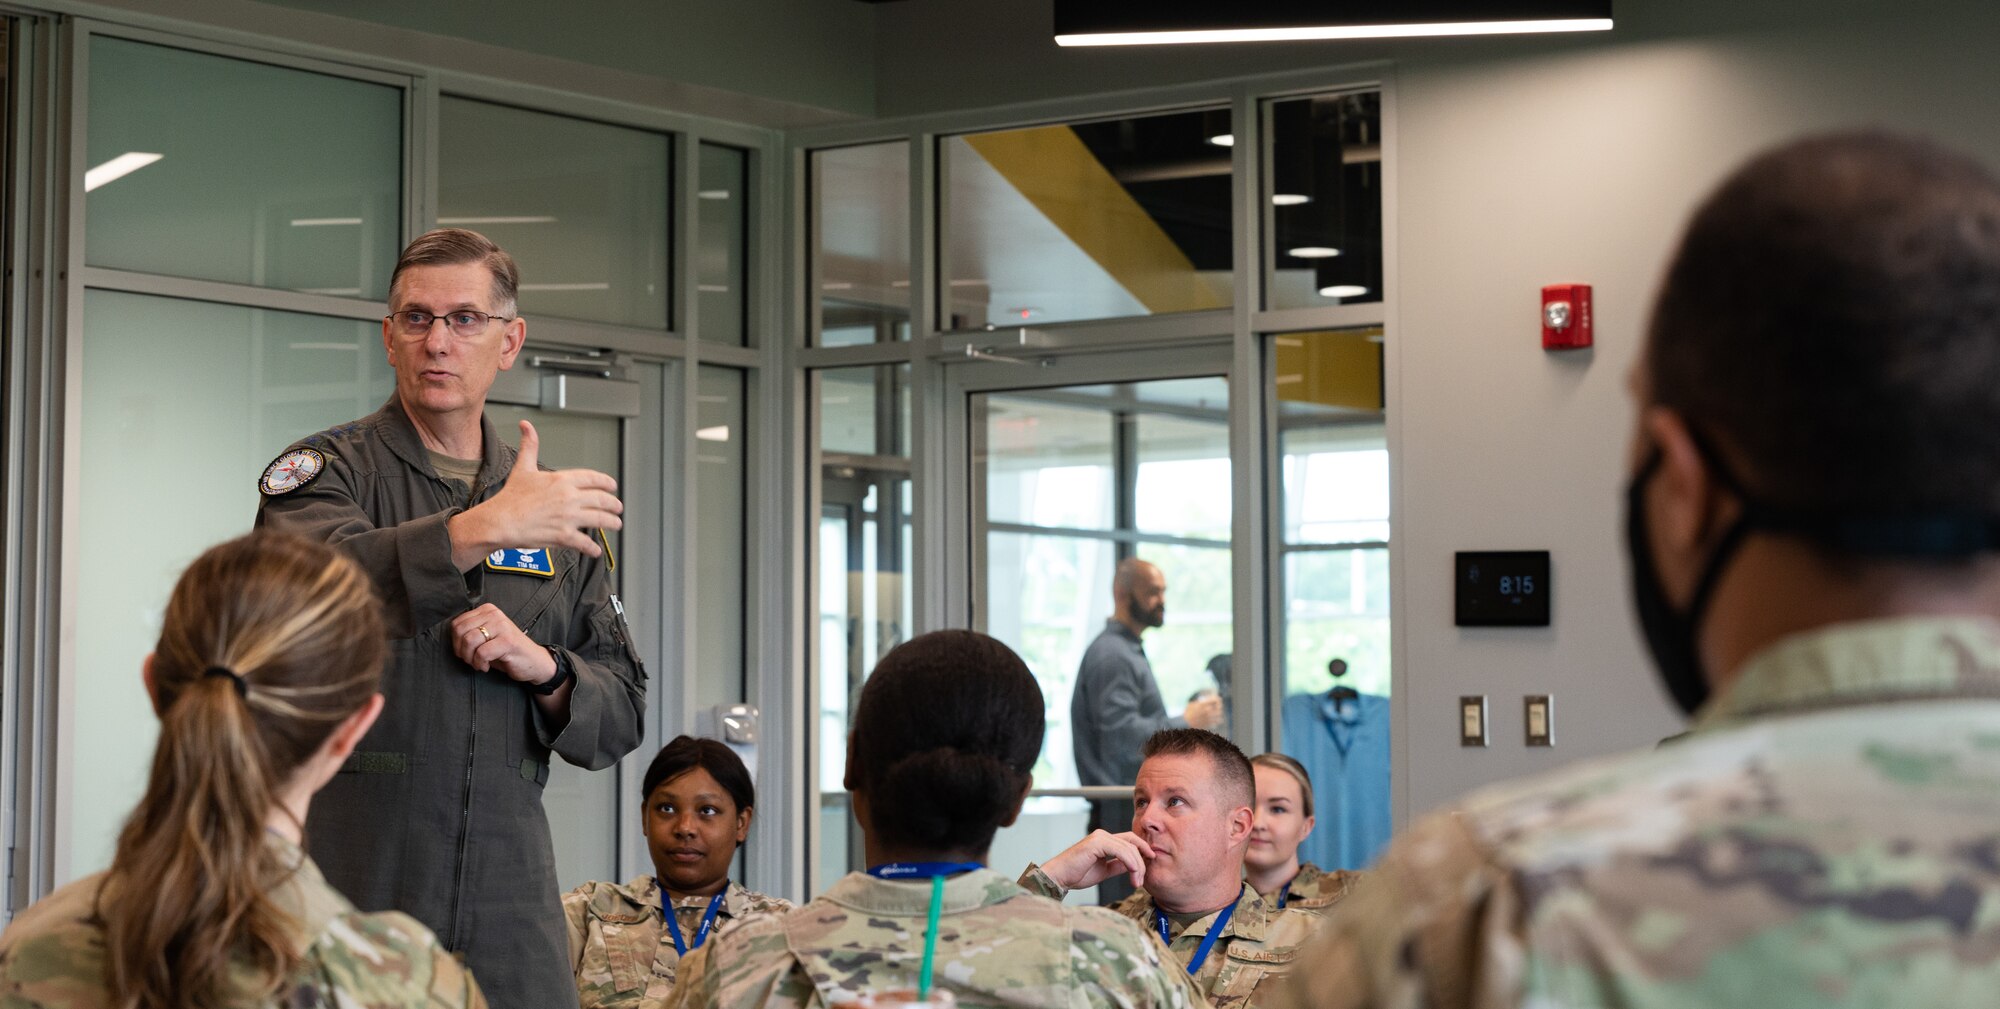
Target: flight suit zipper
point(465, 814)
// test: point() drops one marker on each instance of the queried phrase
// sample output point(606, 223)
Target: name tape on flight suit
point(522, 562)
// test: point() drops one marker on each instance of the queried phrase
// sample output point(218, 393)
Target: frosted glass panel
point(223, 169)
point(722, 276)
point(581, 205)
point(718, 543)
point(183, 405)
point(861, 240)
point(582, 805)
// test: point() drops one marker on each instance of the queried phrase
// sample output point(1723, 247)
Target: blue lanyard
point(1284, 895)
point(1207, 941)
point(707, 920)
point(912, 870)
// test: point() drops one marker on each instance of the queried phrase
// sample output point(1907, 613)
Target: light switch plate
point(1539, 713)
point(1472, 720)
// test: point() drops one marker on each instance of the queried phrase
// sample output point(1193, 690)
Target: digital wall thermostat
point(1503, 588)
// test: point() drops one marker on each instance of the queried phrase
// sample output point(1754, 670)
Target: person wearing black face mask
point(1813, 523)
point(1116, 706)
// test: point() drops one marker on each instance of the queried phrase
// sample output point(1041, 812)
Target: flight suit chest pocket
point(1245, 969)
point(528, 598)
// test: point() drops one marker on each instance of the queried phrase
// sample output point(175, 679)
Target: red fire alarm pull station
point(1566, 316)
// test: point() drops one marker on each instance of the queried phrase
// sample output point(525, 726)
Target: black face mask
point(1673, 636)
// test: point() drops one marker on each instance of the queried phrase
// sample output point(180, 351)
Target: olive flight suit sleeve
point(609, 699)
point(409, 561)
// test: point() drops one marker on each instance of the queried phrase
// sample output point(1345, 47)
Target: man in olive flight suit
point(508, 643)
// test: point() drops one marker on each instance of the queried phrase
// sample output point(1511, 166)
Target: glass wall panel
point(1061, 474)
point(1094, 220)
point(863, 550)
point(722, 231)
point(720, 601)
point(582, 805)
point(860, 203)
point(183, 404)
point(1323, 211)
point(1334, 554)
point(583, 206)
point(223, 169)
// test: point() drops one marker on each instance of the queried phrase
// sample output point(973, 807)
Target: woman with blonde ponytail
point(265, 677)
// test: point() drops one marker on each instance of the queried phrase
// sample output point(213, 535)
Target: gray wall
point(1524, 162)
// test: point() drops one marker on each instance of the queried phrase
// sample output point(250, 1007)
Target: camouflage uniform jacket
point(1828, 835)
point(1249, 959)
point(997, 947)
point(620, 948)
point(1314, 889)
point(52, 956)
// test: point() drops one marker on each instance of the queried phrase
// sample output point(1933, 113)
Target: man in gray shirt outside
point(1116, 706)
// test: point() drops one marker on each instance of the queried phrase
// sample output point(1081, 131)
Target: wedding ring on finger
point(483, 633)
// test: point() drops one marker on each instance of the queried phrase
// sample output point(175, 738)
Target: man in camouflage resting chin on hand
point(1193, 801)
point(1813, 518)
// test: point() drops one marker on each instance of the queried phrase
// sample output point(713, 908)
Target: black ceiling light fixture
point(1161, 22)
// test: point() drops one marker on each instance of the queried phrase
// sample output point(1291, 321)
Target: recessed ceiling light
point(1289, 199)
point(718, 433)
point(1343, 291)
point(1222, 139)
point(117, 168)
point(1320, 32)
point(1313, 252)
point(713, 194)
point(499, 219)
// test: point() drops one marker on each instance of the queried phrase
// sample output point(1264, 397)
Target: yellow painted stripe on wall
point(1052, 168)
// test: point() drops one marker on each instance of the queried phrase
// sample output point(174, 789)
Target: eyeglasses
point(464, 322)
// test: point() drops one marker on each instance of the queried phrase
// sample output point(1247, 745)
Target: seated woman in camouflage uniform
point(1284, 818)
point(699, 801)
point(944, 736)
point(264, 678)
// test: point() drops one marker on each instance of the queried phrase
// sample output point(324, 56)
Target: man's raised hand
point(1098, 857)
point(537, 509)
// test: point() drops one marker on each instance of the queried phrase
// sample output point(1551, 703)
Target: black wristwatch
point(563, 674)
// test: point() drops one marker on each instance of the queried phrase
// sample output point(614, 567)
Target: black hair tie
point(242, 685)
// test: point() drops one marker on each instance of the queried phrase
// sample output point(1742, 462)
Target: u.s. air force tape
point(291, 471)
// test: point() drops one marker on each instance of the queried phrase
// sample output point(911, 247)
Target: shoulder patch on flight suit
point(522, 562)
point(291, 471)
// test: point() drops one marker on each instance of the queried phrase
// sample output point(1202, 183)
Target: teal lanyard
point(1207, 941)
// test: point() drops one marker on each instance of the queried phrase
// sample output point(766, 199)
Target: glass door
point(1068, 472)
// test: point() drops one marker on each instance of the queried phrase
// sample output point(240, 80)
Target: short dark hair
point(946, 733)
point(686, 753)
point(452, 246)
point(1832, 320)
point(1232, 768)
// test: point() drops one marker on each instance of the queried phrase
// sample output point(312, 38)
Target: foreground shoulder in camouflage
point(998, 946)
point(1809, 844)
point(53, 957)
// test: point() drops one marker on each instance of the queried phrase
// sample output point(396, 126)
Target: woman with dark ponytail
point(944, 735)
point(264, 679)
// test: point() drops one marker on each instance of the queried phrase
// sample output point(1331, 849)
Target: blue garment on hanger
point(1346, 750)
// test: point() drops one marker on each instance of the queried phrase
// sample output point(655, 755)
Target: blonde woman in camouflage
point(622, 943)
point(1284, 817)
point(944, 736)
point(265, 677)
